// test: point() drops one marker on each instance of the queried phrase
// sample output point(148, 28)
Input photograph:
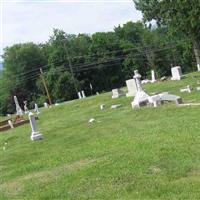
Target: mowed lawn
point(149, 153)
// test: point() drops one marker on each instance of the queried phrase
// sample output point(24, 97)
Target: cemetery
point(84, 142)
point(100, 100)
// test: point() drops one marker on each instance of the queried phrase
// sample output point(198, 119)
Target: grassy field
point(150, 153)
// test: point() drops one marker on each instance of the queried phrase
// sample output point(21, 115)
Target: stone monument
point(116, 93)
point(176, 73)
point(153, 76)
point(141, 97)
point(18, 108)
point(35, 135)
point(36, 109)
point(132, 87)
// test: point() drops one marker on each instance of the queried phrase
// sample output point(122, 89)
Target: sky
point(34, 20)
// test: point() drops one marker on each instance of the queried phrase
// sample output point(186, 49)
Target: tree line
point(103, 60)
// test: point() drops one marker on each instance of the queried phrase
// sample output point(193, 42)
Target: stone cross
point(137, 78)
point(153, 76)
point(83, 94)
point(35, 135)
point(25, 107)
point(18, 108)
point(36, 109)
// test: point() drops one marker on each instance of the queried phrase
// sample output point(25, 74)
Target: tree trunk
point(196, 47)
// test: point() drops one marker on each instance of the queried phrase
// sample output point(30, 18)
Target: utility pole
point(45, 86)
point(71, 69)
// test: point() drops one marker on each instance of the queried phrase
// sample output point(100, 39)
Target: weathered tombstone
point(198, 67)
point(132, 87)
point(35, 135)
point(155, 100)
point(97, 93)
point(79, 95)
point(116, 106)
point(25, 107)
point(145, 81)
point(10, 124)
point(116, 93)
point(165, 96)
point(163, 78)
point(153, 76)
point(187, 89)
point(18, 108)
point(83, 94)
point(141, 97)
point(36, 109)
point(102, 106)
point(46, 105)
point(57, 104)
point(176, 73)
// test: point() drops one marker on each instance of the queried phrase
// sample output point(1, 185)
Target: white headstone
point(46, 105)
point(83, 94)
point(102, 106)
point(18, 108)
point(116, 106)
point(10, 124)
point(35, 135)
point(117, 93)
point(36, 109)
point(198, 67)
point(176, 73)
point(79, 95)
point(153, 76)
point(187, 89)
point(132, 87)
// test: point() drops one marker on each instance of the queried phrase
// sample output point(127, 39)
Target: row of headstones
point(141, 97)
point(132, 84)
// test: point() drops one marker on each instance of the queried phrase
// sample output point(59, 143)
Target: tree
point(181, 16)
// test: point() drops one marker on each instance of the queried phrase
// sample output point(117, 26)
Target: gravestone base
point(36, 136)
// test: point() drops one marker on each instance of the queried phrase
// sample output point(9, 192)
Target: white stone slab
point(132, 87)
point(116, 93)
point(176, 73)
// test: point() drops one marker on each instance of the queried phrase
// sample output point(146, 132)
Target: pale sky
point(34, 20)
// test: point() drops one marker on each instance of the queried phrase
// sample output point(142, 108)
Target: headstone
point(10, 124)
point(116, 106)
point(97, 93)
point(25, 107)
point(198, 67)
point(102, 106)
point(187, 89)
point(198, 88)
point(141, 97)
point(57, 104)
point(83, 94)
point(145, 81)
point(155, 100)
point(116, 93)
point(46, 105)
point(132, 87)
point(79, 95)
point(35, 135)
point(18, 108)
point(91, 120)
point(176, 73)
point(36, 109)
point(163, 78)
point(153, 76)
point(165, 96)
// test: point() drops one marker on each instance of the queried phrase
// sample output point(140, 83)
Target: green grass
point(150, 153)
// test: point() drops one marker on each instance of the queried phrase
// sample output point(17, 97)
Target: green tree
point(181, 16)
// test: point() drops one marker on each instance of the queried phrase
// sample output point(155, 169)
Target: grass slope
point(149, 153)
